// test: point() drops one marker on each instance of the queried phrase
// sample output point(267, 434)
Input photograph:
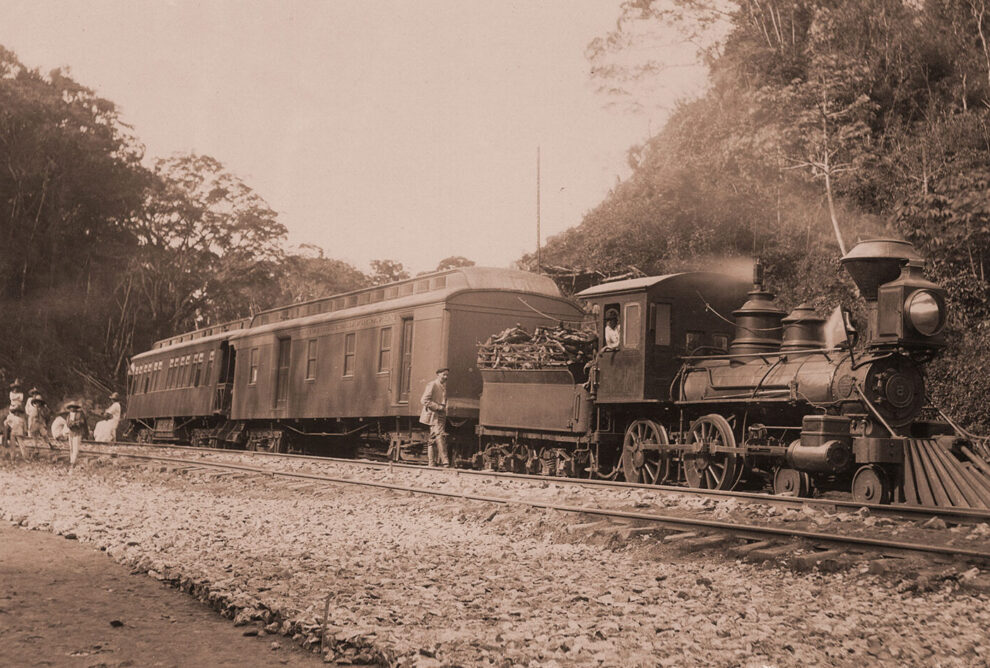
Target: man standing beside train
point(435, 414)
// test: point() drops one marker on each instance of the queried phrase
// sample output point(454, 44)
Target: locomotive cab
point(661, 319)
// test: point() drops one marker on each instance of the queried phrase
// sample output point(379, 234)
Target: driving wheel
point(707, 468)
point(642, 459)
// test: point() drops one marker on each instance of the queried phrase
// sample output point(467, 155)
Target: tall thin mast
point(539, 259)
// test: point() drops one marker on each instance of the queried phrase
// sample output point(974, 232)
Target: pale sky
point(377, 129)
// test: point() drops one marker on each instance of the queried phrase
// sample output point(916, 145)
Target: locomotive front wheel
point(871, 484)
point(791, 482)
point(641, 460)
point(712, 470)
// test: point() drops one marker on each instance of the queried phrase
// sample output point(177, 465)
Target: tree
point(209, 247)
point(71, 178)
point(823, 121)
point(70, 182)
point(387, 271)
point(952, 221)
point(453, 262)
point(308, 274)
point(638, 66)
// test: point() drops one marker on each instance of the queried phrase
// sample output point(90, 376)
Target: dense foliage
point(105, 252)
point(824, 121)
point(102, 255)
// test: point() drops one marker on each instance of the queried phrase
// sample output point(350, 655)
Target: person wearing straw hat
point(16, 394)
point(106, 429)
point(15, 430)
point(37, 414)
point(78, 429)
point(60, 428)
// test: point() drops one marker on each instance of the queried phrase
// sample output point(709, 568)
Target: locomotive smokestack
point(874, 262)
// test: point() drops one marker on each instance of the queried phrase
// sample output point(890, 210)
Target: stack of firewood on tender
point(515, 348)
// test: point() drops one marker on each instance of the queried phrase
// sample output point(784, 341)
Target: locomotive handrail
point(784, 396)
point(873, 410)
point(765, 356)
point(867, 359)
point(759, 385)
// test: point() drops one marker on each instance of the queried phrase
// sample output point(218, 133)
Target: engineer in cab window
point(613, 332)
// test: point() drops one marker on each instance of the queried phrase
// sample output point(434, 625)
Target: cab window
point(661, 324)
point(631, 325)
point(693, 341)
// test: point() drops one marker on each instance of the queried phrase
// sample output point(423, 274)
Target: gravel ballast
point(412, 580)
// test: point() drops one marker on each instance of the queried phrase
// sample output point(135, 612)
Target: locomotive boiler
point(790, 399)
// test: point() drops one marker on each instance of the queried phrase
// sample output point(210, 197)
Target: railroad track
point(743, 538)
point(902, 511)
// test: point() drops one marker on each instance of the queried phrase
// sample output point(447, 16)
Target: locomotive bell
point(758, 321)
point(803, 329)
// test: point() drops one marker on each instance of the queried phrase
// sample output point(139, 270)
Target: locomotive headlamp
point(911, 312)
point(926, 312)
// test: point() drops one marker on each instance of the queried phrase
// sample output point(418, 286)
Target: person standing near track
point(15, 429)
point(78, 429)
point(37, 414)
point(16, 394)
point(434, 413)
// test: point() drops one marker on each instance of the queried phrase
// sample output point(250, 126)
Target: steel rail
point(747, 530)
point(903, 510)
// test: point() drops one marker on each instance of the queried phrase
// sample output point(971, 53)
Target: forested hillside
point(105, 251)
point(824, 122)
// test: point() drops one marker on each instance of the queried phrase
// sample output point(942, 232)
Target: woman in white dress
point(106, 430)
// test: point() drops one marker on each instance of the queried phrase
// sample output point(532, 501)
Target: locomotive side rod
point(742, 530)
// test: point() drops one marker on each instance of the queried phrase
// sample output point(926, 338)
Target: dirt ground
point(66, 604)
point(424, 582)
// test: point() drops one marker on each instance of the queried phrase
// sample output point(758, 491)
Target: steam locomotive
point(689, 395)
point(694, 397)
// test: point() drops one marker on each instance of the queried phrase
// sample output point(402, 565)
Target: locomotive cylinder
point(828, 457)
point(825, 445)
